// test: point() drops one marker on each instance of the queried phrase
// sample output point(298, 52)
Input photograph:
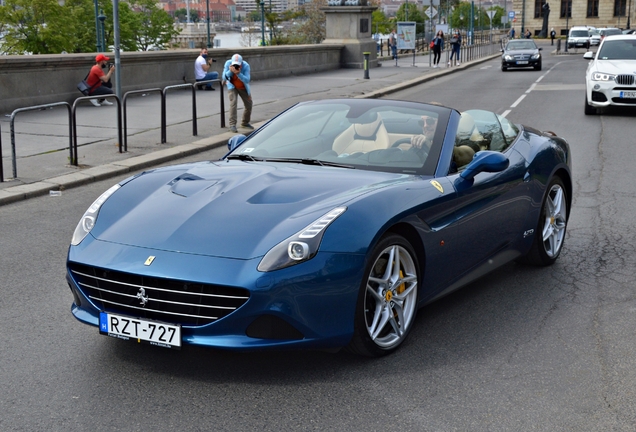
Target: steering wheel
point(401, 141)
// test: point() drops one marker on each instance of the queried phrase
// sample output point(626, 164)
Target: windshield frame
point(276, 139)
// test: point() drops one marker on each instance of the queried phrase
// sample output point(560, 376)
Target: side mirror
point(540, 49)
point(235, 141)
point(588, 55)
point(485, 161)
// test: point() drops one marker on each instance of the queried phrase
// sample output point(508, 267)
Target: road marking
point(518, 101)
point(547, 87)
point(486, 67)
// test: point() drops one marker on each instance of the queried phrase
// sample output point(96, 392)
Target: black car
point(521, 53)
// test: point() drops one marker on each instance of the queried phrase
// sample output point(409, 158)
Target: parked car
point(595, 37)
point(610, 31)
point(629, 31)
point(521, 53)
point(328, 227)
point(610, 77)
point(579, 36)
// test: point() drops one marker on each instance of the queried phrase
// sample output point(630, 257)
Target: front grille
point(173, 301)
point(624, 101)
point(522, 57)
point(625, 79)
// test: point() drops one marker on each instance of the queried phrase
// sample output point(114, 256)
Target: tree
point(153, 27)
point(380, 23)
point(414, 15)
point(312, 29)
point(32, 26)
point(182, 15)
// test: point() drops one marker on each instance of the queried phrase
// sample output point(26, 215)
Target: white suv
point(579, 36)
point(611, 75)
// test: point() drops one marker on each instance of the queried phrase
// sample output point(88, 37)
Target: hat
point(237, 59)
point(101, 57)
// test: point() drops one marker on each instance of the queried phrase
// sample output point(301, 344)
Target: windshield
point(579, 33)
point(618, 50)
point(380, 135)
point(521, 45)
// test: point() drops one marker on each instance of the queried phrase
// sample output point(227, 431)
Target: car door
point(490, 210)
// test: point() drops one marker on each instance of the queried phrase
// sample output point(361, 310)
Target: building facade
point(567, 13)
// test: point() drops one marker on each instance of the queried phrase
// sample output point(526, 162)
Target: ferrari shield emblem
point(149, 260)
point(437, 186)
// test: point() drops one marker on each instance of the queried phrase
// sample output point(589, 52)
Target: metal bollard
point(366, 64)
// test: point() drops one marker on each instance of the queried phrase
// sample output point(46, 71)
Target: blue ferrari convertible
point(328, 227)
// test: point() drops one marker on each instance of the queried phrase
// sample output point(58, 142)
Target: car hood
point(228, 209)
point(614, 67)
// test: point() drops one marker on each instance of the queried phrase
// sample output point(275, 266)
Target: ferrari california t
point(328, 227)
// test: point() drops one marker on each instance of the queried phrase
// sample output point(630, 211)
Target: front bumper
point(609, 93)
point(520, 63)
point(316, 298)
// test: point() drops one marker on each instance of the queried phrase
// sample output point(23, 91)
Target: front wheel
point(550, 234)
point(589, 110)
point(387, 302)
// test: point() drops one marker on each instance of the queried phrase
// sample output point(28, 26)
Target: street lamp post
point(629, 13)
point(270, 25)
point(99, 45)
point(567, 24)
point(262, 23)
point(102, 18)
point(207, 6)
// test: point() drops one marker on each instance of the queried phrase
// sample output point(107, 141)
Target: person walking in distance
point(236, 75)
point(202, 69)
point(438, 47)
point(99, 81)
point(456, 43)
point(552, 35)
point(393, 44)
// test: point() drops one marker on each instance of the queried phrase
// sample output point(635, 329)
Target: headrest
point(467, 130)
point(368, 130)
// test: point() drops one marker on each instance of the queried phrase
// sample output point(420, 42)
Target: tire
point(387, 302)
point(538, 67)
point(503, 68)
point(589, 110)
point(550, 232)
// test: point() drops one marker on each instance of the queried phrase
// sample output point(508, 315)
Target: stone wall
point(41, 79)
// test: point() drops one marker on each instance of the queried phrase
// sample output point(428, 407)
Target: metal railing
point(122, 131)
point(125, 99)
point(14, 161)
point(74, 157)
point(194, 106)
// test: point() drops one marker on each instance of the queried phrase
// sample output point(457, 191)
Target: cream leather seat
point(363, 137)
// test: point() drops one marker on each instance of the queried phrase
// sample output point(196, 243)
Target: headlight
point(300, 247)
point(508, 58)
point(600, 76)
point(536, 56)
point(87, 222)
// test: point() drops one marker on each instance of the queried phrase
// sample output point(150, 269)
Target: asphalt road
point(525, 348)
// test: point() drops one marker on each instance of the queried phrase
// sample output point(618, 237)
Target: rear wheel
point(550, 233)
point(387, 302)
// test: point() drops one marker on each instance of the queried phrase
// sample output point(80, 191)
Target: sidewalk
point(42, 137)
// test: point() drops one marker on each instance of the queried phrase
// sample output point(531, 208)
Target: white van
point(579, 36)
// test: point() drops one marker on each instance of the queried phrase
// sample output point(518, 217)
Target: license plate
point(522, 62)
point(628, 94)
point(142, 330)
